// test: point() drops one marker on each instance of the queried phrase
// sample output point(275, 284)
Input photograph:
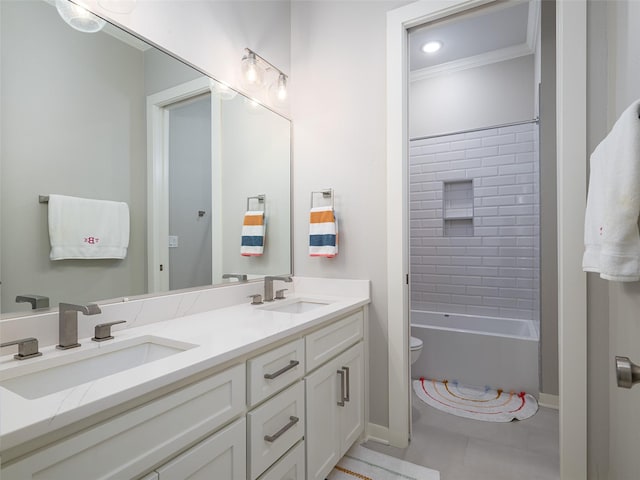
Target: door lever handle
point(627, 372)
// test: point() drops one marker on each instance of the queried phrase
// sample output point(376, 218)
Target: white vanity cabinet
point(283, 413)
point(221, 456)
point(129, 445)
point(335, 400)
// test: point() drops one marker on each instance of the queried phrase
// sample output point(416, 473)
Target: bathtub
point(479, 351)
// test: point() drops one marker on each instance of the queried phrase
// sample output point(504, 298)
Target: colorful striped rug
point(360, 463)
point(476, 402)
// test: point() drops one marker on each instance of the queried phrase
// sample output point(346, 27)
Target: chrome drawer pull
point(346, 398)
point(341, 401)
point(292, 364)
point(292, 421)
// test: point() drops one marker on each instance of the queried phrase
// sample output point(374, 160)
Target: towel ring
point(327, 193)
point(260, 198)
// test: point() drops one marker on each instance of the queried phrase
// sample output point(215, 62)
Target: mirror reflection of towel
point(253, 232)
point(81, 228)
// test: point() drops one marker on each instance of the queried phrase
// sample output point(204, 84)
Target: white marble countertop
point(219, 336)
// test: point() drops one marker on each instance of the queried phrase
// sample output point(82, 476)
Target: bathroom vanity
point(265, 392)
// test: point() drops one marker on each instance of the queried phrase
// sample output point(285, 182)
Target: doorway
point(571, 112)
point(190, 193)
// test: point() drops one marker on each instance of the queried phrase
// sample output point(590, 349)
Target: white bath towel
point(612, 243)
point(81, 228)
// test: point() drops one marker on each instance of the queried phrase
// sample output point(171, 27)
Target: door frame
point(158, 179)
point(571, 186)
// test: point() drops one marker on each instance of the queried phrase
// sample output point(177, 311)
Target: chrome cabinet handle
point(292, 364)
point(627, 373)
point(346, 398)
point(341, 401)
point(292, 421)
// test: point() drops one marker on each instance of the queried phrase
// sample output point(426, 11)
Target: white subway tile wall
point(491, 265)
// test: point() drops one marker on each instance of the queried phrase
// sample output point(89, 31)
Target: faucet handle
point(280, 293)
point(27, 348)
point(36, 301)
point(256, 299)
point(102, 331)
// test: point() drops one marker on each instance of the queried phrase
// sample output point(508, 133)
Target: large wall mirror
point(106, 116)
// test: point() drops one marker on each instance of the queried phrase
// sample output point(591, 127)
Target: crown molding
point(495, 56)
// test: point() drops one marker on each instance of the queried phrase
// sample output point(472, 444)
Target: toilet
point(415, 345)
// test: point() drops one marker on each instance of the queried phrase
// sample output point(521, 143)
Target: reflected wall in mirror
point(77, 118)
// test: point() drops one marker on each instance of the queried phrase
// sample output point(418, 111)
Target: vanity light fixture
point(432, 46)
point(79, 17)
point(256, 70)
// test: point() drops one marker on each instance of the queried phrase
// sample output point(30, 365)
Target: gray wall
point(338, 105)
point(56, 82)
point(474, 98)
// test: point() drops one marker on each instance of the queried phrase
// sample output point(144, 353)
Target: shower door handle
point(627, 372)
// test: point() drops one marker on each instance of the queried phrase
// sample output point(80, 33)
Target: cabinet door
point(322, 434)
point(351, 415)
point(222, 456)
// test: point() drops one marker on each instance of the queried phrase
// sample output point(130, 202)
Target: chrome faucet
point(268, 285)
point(68, 322)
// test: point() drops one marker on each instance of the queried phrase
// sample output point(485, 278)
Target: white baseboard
point(549, 401)
point(378, 433)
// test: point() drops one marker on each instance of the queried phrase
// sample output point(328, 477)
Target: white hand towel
point(82, 228)
point(612, 243)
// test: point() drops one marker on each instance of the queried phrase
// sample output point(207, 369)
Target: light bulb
point(78, 17)
point(252, 71)
point(282, 87)
point(432, 47)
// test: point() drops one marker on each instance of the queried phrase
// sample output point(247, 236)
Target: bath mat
point(360, 463)
point(476, 402)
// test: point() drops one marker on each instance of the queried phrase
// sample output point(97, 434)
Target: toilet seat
point(415, 343)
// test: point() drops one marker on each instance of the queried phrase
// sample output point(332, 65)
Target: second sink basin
point(84, 366)
point(295, 306)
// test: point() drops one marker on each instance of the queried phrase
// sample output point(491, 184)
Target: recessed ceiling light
point(432, 47)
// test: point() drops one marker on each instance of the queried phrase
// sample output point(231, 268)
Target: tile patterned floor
point(464, 449)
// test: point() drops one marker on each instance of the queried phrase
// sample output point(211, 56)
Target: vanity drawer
point(274, 427)
point(329, 341)
point(129, 444)
point(274, 370)
point(289, 467)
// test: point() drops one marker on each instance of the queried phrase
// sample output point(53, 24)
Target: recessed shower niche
point(457, 208)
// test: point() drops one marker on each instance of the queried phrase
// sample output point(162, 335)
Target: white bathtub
point(479, 351)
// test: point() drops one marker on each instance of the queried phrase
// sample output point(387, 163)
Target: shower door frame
point(571, 186)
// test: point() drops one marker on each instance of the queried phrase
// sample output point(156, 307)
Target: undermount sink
point(73, 369)
point(296, 306)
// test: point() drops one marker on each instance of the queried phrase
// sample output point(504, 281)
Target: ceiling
point(505, 26)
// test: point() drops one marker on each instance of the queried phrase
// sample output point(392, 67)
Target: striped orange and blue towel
point(253, 233)
point(323, 232)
